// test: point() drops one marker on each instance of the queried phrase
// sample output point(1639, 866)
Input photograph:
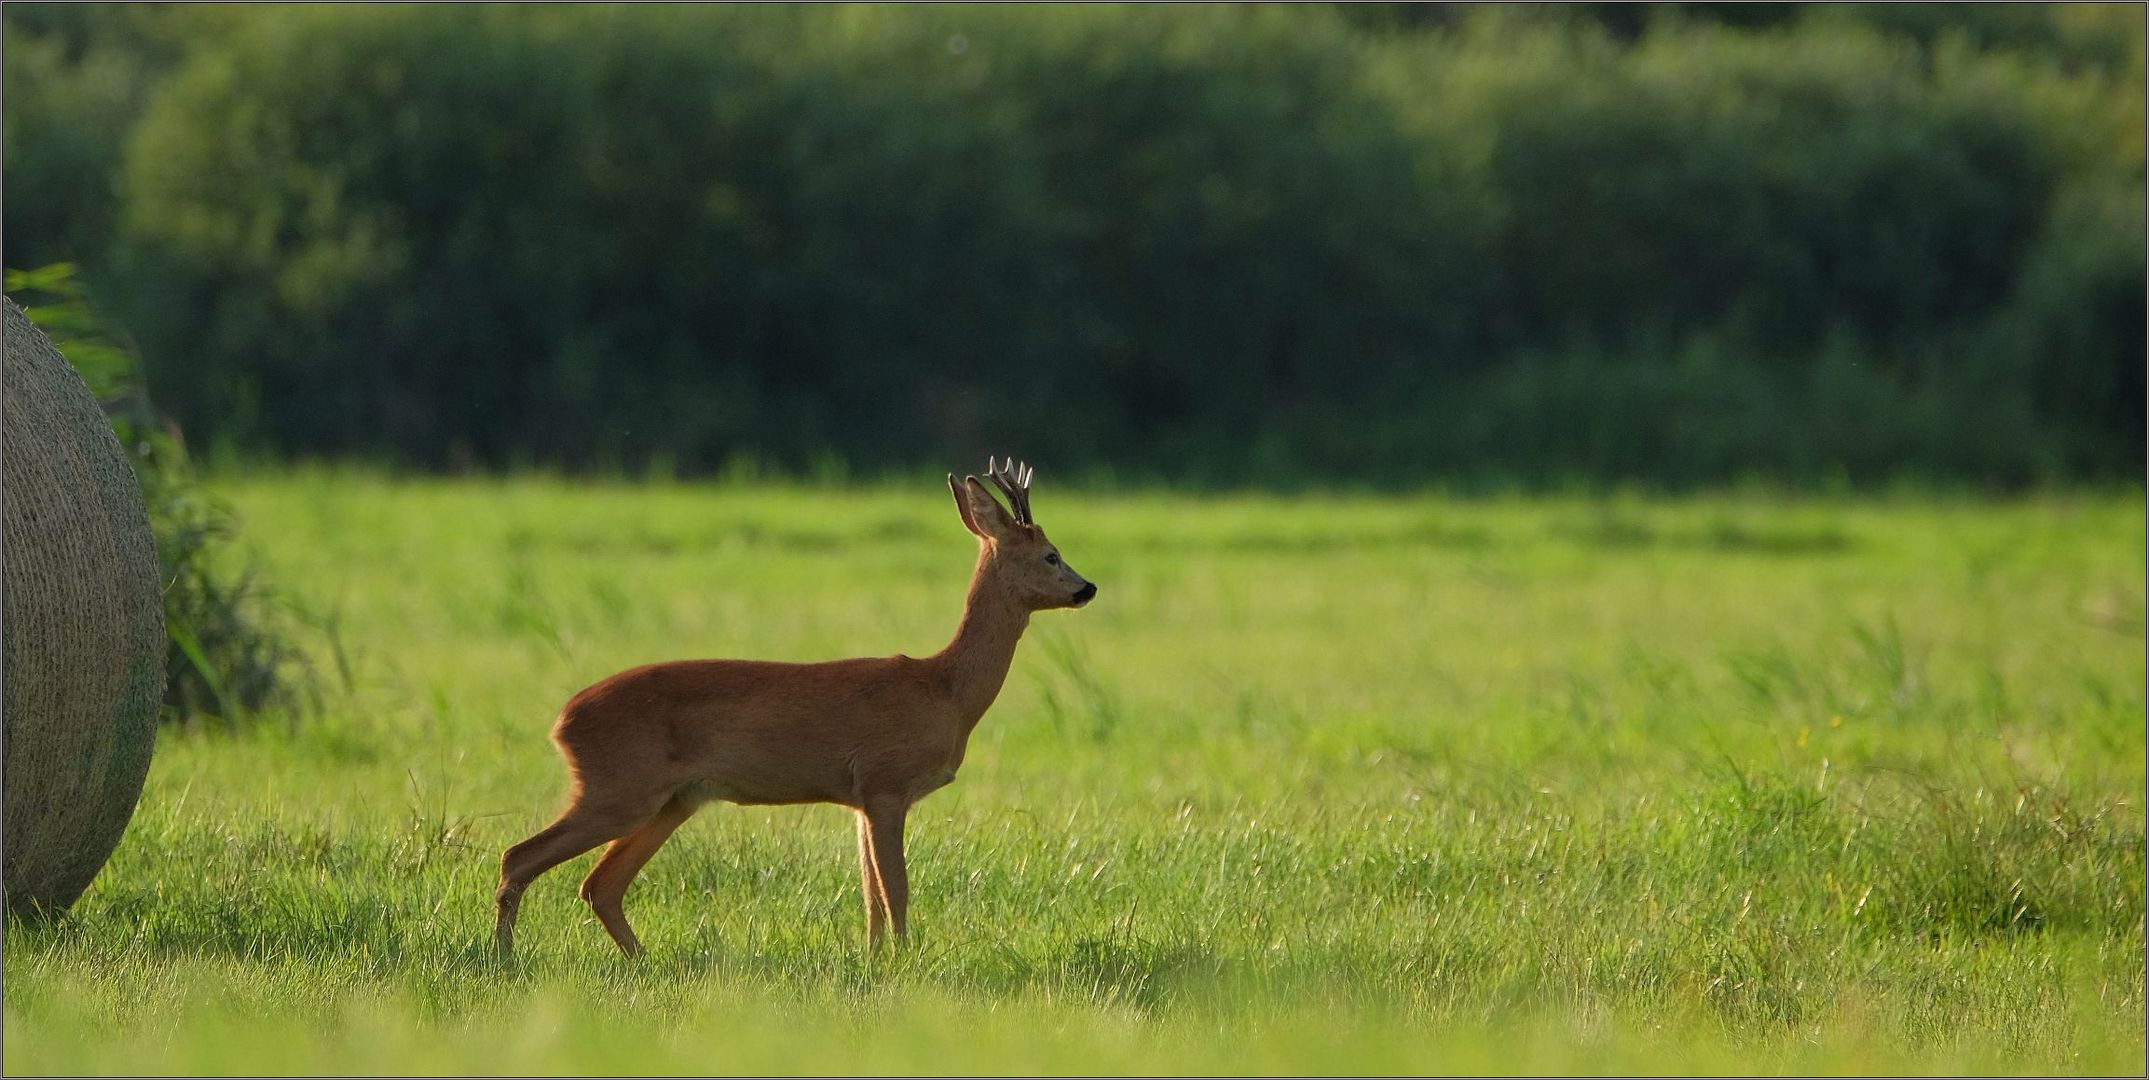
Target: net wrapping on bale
point(81, 628)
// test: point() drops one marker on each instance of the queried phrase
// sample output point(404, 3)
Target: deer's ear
point(981, 512)
point(962, 503)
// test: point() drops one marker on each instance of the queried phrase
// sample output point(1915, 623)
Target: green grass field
point(1736, 784)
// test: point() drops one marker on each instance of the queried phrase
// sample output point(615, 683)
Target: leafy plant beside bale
point(230, 656)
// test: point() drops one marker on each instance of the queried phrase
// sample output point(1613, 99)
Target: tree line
point(1245, 244)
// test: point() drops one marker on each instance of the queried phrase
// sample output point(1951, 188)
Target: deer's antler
point(1013, 480)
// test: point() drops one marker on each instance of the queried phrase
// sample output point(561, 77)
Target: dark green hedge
point(1226, 244)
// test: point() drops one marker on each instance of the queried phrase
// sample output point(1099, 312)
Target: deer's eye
point(1052, 558)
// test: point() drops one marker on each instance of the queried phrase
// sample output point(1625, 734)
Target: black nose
point(1087, 592)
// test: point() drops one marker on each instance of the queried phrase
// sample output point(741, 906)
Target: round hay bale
point(81, 628)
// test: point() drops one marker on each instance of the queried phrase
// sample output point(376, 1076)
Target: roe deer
point(646, 747)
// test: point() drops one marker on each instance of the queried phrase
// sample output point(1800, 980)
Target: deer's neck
point(976, 662)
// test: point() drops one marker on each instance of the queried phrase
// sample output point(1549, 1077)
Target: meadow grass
point(1319, 785)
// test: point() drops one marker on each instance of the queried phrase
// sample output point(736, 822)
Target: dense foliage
point(1235, 244)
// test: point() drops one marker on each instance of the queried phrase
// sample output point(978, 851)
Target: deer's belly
point(750, 794)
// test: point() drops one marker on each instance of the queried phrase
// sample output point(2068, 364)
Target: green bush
point(1785, 186)
point(76, 79)
point(1805, 254)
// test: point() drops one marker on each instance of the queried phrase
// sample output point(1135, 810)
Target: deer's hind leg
point(606, 886)
point(584, 826)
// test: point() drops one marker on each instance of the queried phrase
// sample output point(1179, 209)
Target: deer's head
point(1018, 556)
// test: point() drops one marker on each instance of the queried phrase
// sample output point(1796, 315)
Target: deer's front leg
point(884, 821)
point(869, 881)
